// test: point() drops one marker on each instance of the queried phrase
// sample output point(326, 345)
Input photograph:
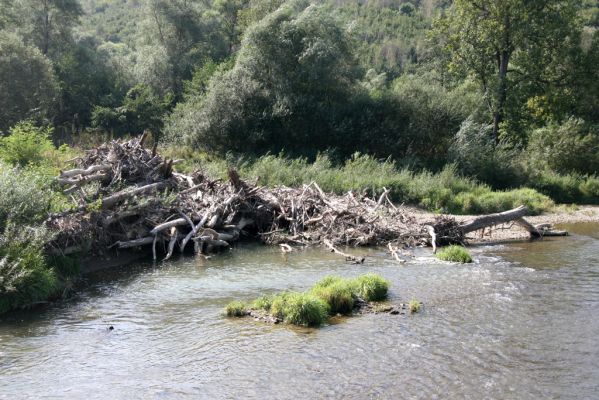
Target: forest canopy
point(506, 91)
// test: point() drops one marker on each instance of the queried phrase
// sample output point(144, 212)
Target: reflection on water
point(520, 323)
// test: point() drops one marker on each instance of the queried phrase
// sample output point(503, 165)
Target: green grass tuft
point(370, 287)
point(454, 254)
point(337, 294)
point(236, 309)
point(414, 306)
point(304, 309)
point(263, 303)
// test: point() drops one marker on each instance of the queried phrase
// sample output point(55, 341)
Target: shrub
point(337, 294)
point(370, 287)
point(26, 144)
point(235, 309)
point(25, 196)
point(476, 155)
point(571, 147)
point(303, 309)
point(454, 253)
point(566, 188)
point(414, 306)
point(25, 277)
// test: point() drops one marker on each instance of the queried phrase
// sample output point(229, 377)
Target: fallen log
point(517, 216)
point(134, 243)
point(493, 219)
point(110, 201)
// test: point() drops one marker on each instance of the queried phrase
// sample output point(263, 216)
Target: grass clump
point(263, 303)
point(236, 309)
point(414, 306)
point(304, 309)
point(455, 253)
point(370, 287)
point(337, 293)
point(330, 296)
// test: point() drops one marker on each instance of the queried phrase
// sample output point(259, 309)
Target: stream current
point(522, 322)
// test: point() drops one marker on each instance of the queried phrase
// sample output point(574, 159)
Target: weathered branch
point(116, 198)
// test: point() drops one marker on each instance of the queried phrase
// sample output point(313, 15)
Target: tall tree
point(28, 88)
point(497, 40)
point(48, 23)
point(183, 35)
point(294, 69)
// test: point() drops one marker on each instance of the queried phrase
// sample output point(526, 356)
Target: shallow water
point(522, 322)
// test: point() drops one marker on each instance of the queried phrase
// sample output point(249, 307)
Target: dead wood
point(140, 202)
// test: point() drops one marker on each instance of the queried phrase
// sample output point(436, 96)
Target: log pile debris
point(129, 196)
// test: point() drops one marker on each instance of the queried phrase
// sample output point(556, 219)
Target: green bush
point(370, 287)
point(571, 147)
point(25, 277)
point(27, 144)
point(566, 188)
point(476, 155)
point(454, 253)
point(26, 196)
point(303, 309)
point(235, 309)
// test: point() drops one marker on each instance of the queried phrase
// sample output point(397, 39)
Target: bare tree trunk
point(504, 59)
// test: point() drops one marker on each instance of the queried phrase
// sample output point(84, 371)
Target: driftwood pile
point(130, 197)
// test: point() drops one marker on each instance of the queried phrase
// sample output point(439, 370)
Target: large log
point(486, 221)
point(517, 216)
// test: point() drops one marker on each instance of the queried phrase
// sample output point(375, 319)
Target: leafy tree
point(28, 88)
point(7, 13)
point(506, 42)
point(48, 23)
point(141, 110)
point(228, 18)
point(293, 70)
point(181, 35)
point(86, 79)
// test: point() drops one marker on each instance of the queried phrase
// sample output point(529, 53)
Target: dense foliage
point(28, 274)
point(507, 91)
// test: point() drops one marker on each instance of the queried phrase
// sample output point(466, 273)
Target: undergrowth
point(29, 274)
point(444, 192)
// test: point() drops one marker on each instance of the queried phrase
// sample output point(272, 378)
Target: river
point(520, 323)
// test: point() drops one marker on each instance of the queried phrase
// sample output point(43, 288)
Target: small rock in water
point(110, 328)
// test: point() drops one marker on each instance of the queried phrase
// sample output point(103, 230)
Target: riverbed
point(522, 322)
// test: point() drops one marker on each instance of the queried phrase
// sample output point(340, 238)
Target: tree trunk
point(504, 59)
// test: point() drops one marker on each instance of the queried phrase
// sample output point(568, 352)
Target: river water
point(520, 323)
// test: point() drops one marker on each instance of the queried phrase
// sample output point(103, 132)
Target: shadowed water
point(521, 323)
